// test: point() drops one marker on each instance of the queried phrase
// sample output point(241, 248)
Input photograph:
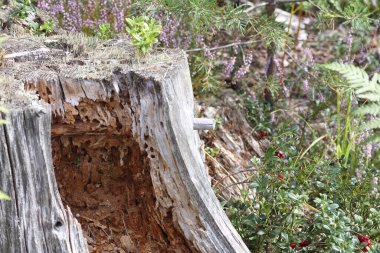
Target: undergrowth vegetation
point(316, 188)
point(320, 197)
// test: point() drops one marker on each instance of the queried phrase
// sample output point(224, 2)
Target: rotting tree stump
point(126, 158)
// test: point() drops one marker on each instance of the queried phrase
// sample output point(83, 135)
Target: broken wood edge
point(203, 124)
point(194, 206)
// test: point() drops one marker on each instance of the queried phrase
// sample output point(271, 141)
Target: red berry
point(364, 239)
point(261, 134)
point(292, 245)
point(304, 244)
point(281, 177)
point(279, 155)
point(361, 238)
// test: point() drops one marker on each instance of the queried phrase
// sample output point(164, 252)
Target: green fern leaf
point(374, 97)
point(373, 109)
point(356, 77)
point(358, 80)
point(375, 79)
point(373, 124)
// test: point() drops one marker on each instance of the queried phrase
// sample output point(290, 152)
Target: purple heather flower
point(186, 42)
point(77, 14)
point(208, 53)
point(245, 67)
point(321, 97)
point(229, 66)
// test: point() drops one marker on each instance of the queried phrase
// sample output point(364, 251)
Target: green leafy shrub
point(354, 13)
point(23, 8)
point(144, 32)
point(306, 198)
point(305, 208)
point(104, 32)
point(45, 29)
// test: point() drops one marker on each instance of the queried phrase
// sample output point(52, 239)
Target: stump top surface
point(80, 57)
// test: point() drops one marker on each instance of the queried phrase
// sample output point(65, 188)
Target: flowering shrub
point(86, 15)
point(23, 8)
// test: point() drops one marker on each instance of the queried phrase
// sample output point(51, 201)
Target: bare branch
point(224, 46)
point(255, 6)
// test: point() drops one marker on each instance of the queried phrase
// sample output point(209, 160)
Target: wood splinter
point(203, 124)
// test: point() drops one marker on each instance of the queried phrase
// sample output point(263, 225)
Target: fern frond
point(373, 109)
point(356, 77)
point(358, 80)
point(373, 96)
point(373, 124)
point(375, 79)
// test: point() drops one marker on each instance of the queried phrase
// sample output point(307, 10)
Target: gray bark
point(35, 220)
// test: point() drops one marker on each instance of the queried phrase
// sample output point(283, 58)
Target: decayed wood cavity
point(126, 156)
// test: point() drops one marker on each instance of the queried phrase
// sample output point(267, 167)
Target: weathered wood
point(203, 124)
point(34, 55)
point(35, 220)
point(127, 159)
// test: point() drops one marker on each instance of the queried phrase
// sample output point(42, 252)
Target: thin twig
point(290, 1)
point(252, 7)
point(235, 173)
point(224, 46)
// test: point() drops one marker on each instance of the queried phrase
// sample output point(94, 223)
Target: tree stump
point(126, 158)
point(35, 220)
